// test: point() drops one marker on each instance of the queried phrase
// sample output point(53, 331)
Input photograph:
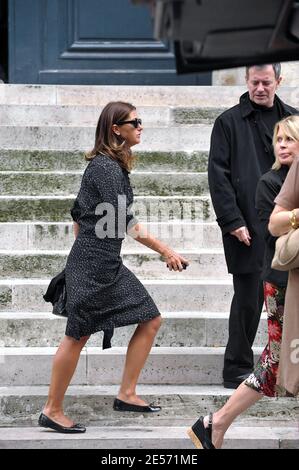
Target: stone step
point(187, 138)
point(49, 115)
point(204, 264)
point(61, 183)
point(146, 208)
point(72, 160)
point(92, 405)
point(140, 437)
point(100, 95)
point(189, 329)
point(167, 365)
point(69, 95)
point(44, 236)
point(171, 295)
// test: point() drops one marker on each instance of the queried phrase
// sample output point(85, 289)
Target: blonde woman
point(208, 432)
point(285, 216)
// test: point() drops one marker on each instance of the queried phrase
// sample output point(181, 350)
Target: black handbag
point(59, 307)
point(56, 294)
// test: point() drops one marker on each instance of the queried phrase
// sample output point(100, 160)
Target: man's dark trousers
point(244, 319)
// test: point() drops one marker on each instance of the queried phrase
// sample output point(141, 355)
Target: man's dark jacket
point(241, 152)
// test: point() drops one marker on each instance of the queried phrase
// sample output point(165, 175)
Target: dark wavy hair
point(106, 141)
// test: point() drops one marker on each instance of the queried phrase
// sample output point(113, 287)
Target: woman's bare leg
point(137, 353)
point(64, 366)
point(242, 399)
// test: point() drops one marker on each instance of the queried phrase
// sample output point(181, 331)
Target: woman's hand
point(242, 234)
point(174, 261)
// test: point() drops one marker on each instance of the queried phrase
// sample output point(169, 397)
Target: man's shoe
point(236, 381)
point(46, 422)
point(120, 405)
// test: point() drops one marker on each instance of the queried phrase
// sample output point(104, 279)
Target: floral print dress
point(263, 378)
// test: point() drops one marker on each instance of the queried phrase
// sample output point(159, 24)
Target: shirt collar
point(246, 105)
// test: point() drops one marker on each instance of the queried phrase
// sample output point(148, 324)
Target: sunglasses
point(135, 122)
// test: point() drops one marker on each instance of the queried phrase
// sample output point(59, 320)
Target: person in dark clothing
point(209, 432)
point(241, 152)
point(102, 293)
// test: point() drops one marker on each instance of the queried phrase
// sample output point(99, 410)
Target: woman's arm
point(173, 260)
point(76, 228)
point(280, 221)
point(286, 201)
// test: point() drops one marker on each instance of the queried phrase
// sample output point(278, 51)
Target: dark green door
point(89, 42)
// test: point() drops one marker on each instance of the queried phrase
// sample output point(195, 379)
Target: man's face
point(262, 85)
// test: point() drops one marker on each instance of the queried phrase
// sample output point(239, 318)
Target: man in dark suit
point(241, 151)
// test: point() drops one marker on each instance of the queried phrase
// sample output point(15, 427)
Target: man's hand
point(242, 235)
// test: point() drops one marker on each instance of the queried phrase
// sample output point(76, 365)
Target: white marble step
point(168, 365)
point(144, 183)
point(185, 138)
point(69, 95)
point(47, 235)
point(88, 115)
point(20, 208)
point(203, 264)
point(38, 329)
point(21, 405)
point(139, 437)
point(71, 160)
point(171, 295)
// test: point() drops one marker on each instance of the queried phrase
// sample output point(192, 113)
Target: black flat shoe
point(201, 436)
point(46, 422)
point(120, 405)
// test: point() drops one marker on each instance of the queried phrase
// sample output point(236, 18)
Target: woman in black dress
point(101, 292)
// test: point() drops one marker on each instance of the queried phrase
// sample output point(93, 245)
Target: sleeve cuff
point(233, 225)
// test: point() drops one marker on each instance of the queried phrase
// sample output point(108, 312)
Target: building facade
point(95, 42)
point(88, 42)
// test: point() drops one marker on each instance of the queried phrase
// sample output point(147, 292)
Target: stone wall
point(235, 76)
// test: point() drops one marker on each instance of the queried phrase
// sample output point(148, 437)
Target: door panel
point(89, 42)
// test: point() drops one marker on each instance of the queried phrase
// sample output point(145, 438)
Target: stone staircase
point(43, 131)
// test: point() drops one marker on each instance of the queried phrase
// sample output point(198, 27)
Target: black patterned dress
point(102, 293)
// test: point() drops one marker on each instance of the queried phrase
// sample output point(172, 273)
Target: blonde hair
point(106, 141)
point(290, 128)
